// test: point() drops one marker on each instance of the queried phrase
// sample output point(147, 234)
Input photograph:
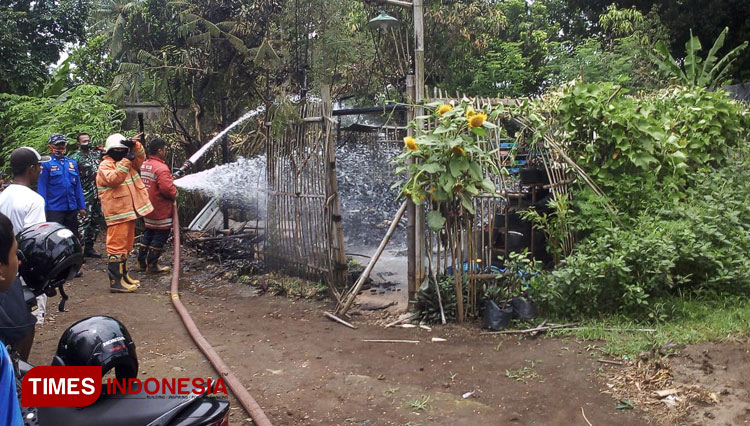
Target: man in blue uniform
point(60, 186)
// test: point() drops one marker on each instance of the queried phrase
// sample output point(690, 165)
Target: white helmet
point(115, 141)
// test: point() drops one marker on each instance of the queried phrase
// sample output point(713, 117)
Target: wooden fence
point(304, 235)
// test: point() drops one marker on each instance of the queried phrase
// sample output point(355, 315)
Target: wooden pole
point(339, 320)
point(411, 245)
point(437, 285)
point(349, 297)
point(419, 95)
point(338, 248)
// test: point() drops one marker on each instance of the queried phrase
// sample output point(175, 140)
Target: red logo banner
point(61, 386)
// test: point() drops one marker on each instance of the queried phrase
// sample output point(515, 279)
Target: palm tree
point(110, 19)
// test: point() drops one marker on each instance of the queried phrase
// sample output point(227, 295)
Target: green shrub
point(427, 306)
point(28, 121)
point(642, 149)
point(698, 244)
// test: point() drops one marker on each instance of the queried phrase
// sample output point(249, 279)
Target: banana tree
point(695, 71)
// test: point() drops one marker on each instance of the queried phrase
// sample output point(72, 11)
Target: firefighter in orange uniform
point(123, 197)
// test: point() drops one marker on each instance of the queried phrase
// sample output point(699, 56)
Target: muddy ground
point(304, 369)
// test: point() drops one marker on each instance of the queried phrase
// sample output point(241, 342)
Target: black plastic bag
point(523, 309)
point(494, 318)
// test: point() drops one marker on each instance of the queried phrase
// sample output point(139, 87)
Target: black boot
point(153, 261)
point(89, 251)
point(141, 259)
point(125, 275)
point(115, 270)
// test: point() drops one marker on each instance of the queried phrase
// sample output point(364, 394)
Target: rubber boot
point(115, 270)
point(125, 275)
point(142, 254)
point(153, 261)
point(89, 251)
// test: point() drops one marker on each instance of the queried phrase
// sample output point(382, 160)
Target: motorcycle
point(50, 255)
point(132, 408)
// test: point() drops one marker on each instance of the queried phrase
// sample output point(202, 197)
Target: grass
point(419, 404)
point(390, 391)
point(294, 288)
point(683, 321)
point(523, 374)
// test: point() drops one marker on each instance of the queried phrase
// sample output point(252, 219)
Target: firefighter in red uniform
point(162, 193)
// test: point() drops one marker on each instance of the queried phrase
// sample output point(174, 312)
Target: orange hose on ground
point(239, 391)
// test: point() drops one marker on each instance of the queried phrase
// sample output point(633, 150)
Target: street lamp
point(383, 22)
point(415, 89)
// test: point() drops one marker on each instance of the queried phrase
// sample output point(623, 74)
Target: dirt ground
point(304, 369)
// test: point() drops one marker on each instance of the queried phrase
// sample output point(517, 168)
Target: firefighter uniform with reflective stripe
point(123, 197)
point(162, 193)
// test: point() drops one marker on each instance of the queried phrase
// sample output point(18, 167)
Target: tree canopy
point(191, 54)
point(32, 35)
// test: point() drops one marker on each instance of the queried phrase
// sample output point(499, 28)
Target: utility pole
point(415, 94)
point(419, 234)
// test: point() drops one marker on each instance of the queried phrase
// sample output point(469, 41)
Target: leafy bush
point(28, 121)
point(642, 149)
point(696, 245)
point(427, 307)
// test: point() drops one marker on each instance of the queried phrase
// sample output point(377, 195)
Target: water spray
point(198, 154)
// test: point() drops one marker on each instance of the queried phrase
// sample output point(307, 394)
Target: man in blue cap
point(60, 186)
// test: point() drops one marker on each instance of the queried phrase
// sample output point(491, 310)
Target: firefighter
point(123, 197)
point(162, 193)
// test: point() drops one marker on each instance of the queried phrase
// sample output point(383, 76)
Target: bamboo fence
point(304, 235)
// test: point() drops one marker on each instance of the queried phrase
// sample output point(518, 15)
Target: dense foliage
point(29, 121)
point(707, 19)
point(672, 164)
point(644, 148)
point(695, 245)
point(32, 35)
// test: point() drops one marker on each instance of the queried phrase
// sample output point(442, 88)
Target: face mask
point(117, 156)
point(58, 152)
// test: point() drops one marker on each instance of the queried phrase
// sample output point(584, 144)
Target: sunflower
point(410, 143)
point(443, 109)
point(470, 113)
point(458, 150)
point(477, 120)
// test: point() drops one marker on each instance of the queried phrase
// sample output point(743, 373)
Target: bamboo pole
point(339, 320)
point(336, 242)
point(437, 285)
point(352, 294)
point(457, 284)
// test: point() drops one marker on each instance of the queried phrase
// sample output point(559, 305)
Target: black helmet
point(50, 254)
point(98, 341)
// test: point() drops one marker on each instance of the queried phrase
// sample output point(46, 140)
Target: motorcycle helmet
point(50, 254)
point(98, 341)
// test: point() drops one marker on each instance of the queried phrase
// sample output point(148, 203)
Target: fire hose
point(239, 391)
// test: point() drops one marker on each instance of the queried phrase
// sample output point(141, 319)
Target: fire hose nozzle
point(182, 170)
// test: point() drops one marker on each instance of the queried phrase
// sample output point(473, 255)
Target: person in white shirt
point(22, 205)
